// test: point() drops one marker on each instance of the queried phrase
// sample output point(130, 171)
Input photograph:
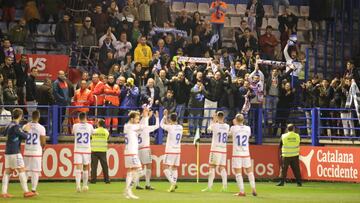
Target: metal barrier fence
point(311, 123)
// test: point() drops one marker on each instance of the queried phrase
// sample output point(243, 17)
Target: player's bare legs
point(239, 181)
point(251, 178)
point(85, 177)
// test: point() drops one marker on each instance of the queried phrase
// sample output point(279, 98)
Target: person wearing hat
point(290, 148)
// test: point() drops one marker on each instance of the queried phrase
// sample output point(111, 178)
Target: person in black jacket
point(287, 26)
point(21, 71)
point(195, 49)
point(326, 94)
point(286, 99)
point(10, 96)
point(195, 104)
point(151, 95)
point(65, 33)
point(31, 90)
point(7, 69)
point(255, 12)
point(44, 96)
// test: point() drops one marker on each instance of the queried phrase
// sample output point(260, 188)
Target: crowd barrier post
point(259, 136)
point(55, 120)
point(160, 135)
point(315, 127)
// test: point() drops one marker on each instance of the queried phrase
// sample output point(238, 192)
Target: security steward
point(290, 147)
point(99, 146)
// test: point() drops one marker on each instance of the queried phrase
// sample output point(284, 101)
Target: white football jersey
point(131, 138)
point(32, 143)
point(241, 135)
point(144, 137)
point(82, 133)
point(173, 140)
point(219, 136)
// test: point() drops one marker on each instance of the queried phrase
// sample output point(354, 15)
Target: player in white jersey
point(82, 151)
point(172, 149)
point(217, 156)
point(145, 150)
point(34, 145)
point(241, 154)
point(132, 130)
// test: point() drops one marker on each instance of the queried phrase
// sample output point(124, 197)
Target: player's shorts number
point(126, 140)
point(82, 138)
point(222, 137)
point(32, 139)
point(242, 140)
point(139, 139)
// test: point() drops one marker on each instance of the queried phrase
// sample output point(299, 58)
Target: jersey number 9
point(178, 137)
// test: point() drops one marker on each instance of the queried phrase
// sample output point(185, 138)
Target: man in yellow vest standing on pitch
point(290, 148)
point(99, 146)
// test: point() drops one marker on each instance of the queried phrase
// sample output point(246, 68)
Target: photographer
point(131, 97)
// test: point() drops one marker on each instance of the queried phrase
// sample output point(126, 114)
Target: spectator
point(105, 65)
point(87, 34)
point(255, 13)
point(44, 97)
point(181, 87)
point(248, 59)
point(100, 20)
point(247, 40)
point(267, 44)
point(122, 47)
point(206, 35)
point(97, 90)
point(196, 103)
point(21, 70)
point(161, 81)
point(325, 96)
point(239, 31)
point(7, 69)
point(8, 11)
point(65, 33)
point(130, 11)
point(61, 92)
point(168, 102)
point(335, 103)
point(107, 43)
point(51, 9)
point(161, 47)
point(239, 70)
point(286, 99)
point(195, 49)
point(113, 9)
point(10, 96)
point(197, 23)
point(127, 65)
point(226, 60)
point(32, 16)
point(170, 44)
point(346, 114)
point(18, 35)
point(151, 96)
point(130, 99)
point(276, 5)
point(293, 63)
point(115, 70)
point(172, 71)
point(1, 90)
point(136, 32)
point(143, 53)
point(287, 26)
point(160, 13)
point(144, 16)
point(31, 90)
point(217, 19)
point(82, 97)
point(112, 101)
point(6, 50)
point(183, 22)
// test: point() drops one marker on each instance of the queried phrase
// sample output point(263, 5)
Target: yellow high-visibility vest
point(99, 140)
point(290, 144)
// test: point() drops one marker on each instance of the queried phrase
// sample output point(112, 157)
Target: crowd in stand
point(139, 63)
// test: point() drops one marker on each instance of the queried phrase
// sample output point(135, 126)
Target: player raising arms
point(172, 149)
point(82, 151)
point(241, 155)
point(217, 157)
point(132, 130)
point(145, 151)
point(34, 145)
point(13, 158)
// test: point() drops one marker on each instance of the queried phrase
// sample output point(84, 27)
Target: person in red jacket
point(112, 101)
point(97, 89)
point(82, 98)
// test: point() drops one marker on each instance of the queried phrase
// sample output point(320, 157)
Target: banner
point(47, 64)
point(316, 163)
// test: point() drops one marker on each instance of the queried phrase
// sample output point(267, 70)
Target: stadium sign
point(317, 163)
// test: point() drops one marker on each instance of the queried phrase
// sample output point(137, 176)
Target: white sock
point(168, 174)
point(129, 180)
point(240, 181)
point(251, 180)
point(224, 178)
point(140, 173)
point(175, 175)
point(5, 183)
point(78, 177)
point(34, 180)
point(85, 177)
point(23, 181)
point(147, 176)
point(211, 177)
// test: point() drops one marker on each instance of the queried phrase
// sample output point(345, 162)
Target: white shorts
point(145, 156)
point(241, 162)
point(217, 159)
point(83, 159)
point(172, 159)
point(14, 161)
point(33, 164)
point(132, 161)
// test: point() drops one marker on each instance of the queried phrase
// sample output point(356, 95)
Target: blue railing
point(312, 123)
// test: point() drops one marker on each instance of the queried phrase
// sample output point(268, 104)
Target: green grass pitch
point(191, 192)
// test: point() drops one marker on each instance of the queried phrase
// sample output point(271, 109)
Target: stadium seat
point(231, 9)
point(44, 29)
point(19, 14)
point(227, 22)
point(281, 9)
point(295, 10)
point(268, 10)
point(304, 11)
point(274, 23)
point(3, 27)
point(235, 21)
point(264, 23)
point(191, 7)
point(276, 33)
point(240, 9)
point(177, 6)
point(203, 8)
point(303, 24)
